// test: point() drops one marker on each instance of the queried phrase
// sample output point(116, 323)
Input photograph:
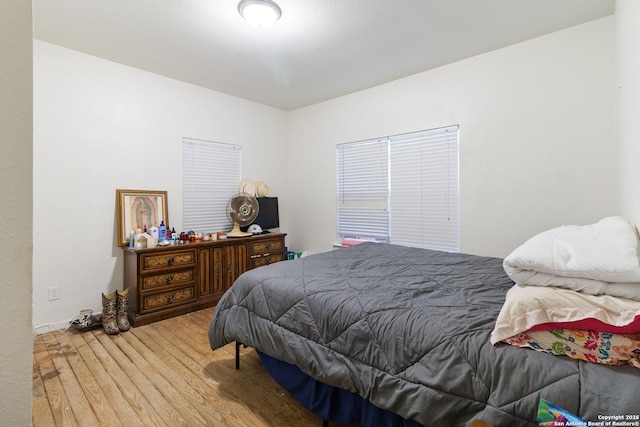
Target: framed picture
point(137, 209)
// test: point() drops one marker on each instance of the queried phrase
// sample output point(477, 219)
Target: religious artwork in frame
point(137, 209)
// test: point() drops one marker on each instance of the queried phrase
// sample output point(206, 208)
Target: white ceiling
point(318, 50)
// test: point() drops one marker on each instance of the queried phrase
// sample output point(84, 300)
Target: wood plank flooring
point(161, 374)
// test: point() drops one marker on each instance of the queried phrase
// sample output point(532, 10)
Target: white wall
point(537, 130)
point(99, 126)
point(628, 46)
point(537, 140)
point(16, 121)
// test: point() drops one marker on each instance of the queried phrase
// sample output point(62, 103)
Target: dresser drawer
point(167, 260)
point(266, 247)
point(167, 299)
point(174, 278)
point(266, 260)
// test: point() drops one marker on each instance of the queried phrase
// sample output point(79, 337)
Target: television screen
point(268, 216)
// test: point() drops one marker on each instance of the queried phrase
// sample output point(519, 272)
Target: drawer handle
point(268, 246)
point(170, 261)
point(170, 298)
point(169, 279)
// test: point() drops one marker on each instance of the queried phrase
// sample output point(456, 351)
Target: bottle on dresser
point(162, 232)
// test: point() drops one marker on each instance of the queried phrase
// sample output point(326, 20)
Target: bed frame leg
point(237, 355)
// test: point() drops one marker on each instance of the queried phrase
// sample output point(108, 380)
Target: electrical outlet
point(54, 293)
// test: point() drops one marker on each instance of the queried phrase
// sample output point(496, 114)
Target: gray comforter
point(408, 329)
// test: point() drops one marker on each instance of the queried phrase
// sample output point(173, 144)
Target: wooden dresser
point(169, 281)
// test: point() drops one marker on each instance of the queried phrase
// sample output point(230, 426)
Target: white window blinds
point(424, 189)
point(363, 189)
point(402, 189)
point(211, 175)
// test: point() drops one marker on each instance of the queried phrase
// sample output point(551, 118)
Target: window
point(211, 173)
point(363, 189)
point(401, 189)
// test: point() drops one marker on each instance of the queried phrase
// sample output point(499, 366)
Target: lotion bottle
point(162, 232)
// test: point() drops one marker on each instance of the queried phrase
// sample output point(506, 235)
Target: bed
point(407, 331)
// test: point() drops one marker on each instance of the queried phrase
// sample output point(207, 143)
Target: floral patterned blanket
point(591, 346)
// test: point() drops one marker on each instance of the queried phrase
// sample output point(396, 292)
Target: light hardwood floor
point(161, 374)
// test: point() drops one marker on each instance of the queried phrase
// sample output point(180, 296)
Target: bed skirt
point(327, 402)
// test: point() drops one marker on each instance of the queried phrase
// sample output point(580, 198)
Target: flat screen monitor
point(268, 216)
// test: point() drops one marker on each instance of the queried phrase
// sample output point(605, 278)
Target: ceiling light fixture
point(259, 13)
